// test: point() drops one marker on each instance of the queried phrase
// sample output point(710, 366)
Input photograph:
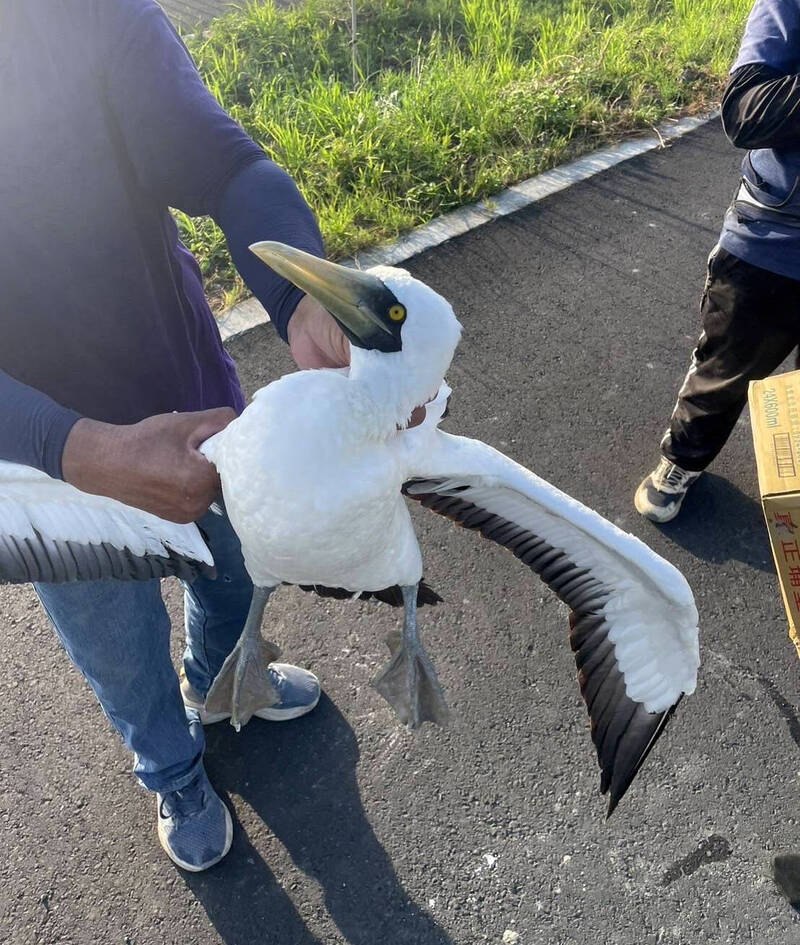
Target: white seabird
point(313, 475)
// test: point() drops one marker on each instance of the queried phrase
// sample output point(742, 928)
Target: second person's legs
point(750, 324)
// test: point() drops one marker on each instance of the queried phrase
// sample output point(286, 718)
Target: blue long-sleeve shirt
point(758, 113)
point(105, 124)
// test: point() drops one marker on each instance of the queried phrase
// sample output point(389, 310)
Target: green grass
point(454, 99)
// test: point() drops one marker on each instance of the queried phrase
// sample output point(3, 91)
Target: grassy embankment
point(454, 99)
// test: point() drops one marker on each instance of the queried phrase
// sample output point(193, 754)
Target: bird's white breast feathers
point(311, 500)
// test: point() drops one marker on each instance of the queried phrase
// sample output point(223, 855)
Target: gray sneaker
point(661, 494)
point(298, 691)
point(194, 826)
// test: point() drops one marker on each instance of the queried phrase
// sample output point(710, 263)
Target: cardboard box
point(775, 418)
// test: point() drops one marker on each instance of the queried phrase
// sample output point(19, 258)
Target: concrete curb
point(248, 314)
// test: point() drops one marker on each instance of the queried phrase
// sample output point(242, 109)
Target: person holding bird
point(112, 371)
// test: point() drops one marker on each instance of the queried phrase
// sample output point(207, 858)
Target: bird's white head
point(429, 334)
point(402, 334)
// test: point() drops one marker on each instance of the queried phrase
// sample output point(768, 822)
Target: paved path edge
point(250, 313)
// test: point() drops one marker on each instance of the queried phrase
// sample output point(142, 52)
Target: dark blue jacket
point(104, 124)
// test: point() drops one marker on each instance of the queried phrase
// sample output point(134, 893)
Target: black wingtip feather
point(604, 716)
point(623, 778)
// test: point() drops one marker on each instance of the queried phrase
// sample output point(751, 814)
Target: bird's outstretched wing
point(633, 625)
point(52, 532)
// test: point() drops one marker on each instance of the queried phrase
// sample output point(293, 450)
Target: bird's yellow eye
point(397, 313)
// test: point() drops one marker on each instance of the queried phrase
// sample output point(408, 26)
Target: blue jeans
point(117, 634)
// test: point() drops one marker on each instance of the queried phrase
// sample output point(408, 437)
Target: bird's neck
point(382, 403)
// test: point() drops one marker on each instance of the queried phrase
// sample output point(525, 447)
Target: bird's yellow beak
point(366, 310)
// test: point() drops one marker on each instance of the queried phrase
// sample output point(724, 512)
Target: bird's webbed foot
point(408, 682)
point(244, 685)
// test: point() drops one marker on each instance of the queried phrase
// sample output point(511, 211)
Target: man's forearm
point(33, 428)
point(262, 203)
point(761, 108)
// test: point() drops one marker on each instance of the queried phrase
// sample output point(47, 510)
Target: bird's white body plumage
point(312, 470)
point(312, 499)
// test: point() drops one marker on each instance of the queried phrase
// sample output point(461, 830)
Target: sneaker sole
point(190, 867)
point(269, 714)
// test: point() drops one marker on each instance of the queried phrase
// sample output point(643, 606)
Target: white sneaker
point(661, 494)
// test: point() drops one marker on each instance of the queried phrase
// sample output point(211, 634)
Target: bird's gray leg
point(243, 685)
point(408, 681)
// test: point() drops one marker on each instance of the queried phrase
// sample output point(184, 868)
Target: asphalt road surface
point(190, 13)
point(580, 313)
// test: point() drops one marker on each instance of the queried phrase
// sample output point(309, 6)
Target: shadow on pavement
point(242, 897)
point(300, 779)
point(786, 873)
point(718, 523)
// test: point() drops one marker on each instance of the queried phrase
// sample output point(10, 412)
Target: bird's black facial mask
point(367, 311)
